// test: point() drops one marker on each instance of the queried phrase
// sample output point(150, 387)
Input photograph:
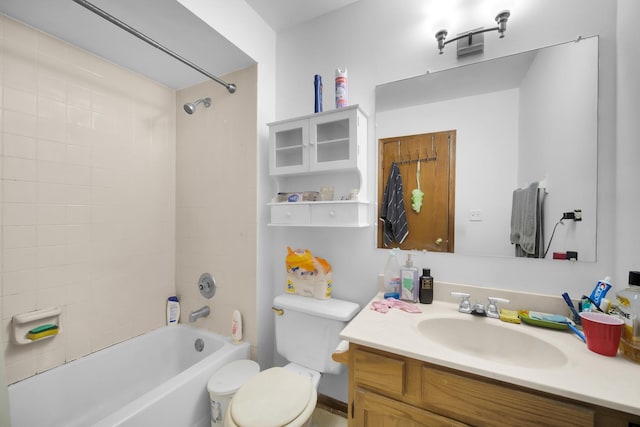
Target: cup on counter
point(326, 193)
point(602, 331)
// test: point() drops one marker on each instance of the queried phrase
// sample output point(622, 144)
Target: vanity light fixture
point(469, 46)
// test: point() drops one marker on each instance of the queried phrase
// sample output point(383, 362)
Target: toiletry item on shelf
point(342, 91)
point(628, 304)
point(426, 287)
point(409, 281)
point(392, 280)
point(43, 331)
point(317, 83)
point(173, 310)
point(236, 327)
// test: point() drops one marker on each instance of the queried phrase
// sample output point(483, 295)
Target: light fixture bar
point(501, 20)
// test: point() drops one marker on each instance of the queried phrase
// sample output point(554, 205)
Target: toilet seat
point(275, 397)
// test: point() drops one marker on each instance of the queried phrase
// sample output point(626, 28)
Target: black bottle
point(426, 287)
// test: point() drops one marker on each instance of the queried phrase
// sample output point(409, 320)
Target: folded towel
point(524, 218)
point(392, 212)
point(383, 306)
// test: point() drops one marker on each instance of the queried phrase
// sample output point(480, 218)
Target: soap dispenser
point(409, 280)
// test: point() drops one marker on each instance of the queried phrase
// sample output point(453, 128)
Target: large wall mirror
point(521, 119)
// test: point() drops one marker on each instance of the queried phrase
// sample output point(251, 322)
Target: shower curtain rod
point(93, 8)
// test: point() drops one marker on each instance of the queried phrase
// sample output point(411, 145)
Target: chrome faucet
point(201, 312)
point(490, 310)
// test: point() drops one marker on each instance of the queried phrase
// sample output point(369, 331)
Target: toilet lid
point(272, 398)
point(228, 379)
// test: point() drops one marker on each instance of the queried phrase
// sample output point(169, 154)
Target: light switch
point(475, 215)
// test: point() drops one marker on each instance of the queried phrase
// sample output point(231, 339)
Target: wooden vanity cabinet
point(388, 390)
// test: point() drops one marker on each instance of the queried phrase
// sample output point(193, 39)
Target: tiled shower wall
point(216, 203)
point(88, 197)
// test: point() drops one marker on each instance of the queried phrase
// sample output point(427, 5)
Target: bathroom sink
point(490, 340)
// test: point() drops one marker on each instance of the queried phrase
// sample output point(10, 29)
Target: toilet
point(307, 333)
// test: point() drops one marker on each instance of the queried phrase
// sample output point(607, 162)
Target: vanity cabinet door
point(488, 404)
point(374, 410)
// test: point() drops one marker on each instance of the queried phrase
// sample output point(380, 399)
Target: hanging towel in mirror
point(524, 220)
point(392, 212)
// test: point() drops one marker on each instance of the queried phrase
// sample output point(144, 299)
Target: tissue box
point(308, 275)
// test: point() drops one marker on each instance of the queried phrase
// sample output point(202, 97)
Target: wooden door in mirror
point(426, 163)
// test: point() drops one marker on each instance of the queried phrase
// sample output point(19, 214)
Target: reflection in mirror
point(519, 120)
point(422, 167)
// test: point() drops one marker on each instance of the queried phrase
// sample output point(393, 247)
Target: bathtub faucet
point(201, 312)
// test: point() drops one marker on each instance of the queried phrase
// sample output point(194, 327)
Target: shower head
point(190, 107)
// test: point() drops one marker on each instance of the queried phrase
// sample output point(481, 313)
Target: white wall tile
point(19, 146)
point(20, 123)
point(20, 236)
point(87, 206)
point(16, 168)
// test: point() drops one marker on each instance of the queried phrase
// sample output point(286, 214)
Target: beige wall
point(88, 198)
point(216, 208)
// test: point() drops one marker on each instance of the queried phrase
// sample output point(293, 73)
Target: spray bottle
point(342, 91)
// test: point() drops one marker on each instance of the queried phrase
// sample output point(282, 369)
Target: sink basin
point(488, 339)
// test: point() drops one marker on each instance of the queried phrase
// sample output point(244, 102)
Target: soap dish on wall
point(25, 322)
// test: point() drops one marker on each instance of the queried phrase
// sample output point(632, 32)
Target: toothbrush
point(576, 316)
point(572, 326)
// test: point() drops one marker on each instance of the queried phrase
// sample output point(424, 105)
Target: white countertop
point(612, 382)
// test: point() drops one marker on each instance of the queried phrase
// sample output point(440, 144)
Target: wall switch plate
point(475, 215)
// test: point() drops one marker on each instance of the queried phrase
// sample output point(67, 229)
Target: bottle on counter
point(392, 280)
point(629, 307)
point(426, 287)
point(409, 280)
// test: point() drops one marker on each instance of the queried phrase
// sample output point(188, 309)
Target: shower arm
point(93, 8)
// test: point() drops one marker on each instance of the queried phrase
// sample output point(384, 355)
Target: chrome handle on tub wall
point(277, 311)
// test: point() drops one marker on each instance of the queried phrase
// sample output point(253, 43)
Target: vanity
point(441, 367)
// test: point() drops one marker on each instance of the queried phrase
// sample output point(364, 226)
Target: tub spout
point(201, 312)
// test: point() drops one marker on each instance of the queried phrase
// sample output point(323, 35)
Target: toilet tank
point(307, 331)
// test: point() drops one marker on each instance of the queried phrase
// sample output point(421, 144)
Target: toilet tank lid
point(331, 308)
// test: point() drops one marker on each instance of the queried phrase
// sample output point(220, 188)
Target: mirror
point(519, 119)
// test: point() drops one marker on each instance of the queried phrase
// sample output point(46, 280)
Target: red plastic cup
point(602, 332)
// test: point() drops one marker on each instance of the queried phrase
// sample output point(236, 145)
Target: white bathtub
point(156, 379)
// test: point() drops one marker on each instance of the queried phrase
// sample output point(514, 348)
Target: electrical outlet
point(577, 215)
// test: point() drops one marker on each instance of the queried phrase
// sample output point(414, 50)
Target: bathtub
point(156, 379)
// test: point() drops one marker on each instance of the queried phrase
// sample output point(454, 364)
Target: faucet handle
point(492, 308)
point(465, 305)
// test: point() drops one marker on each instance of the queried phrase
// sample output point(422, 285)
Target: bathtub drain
point(199, 345)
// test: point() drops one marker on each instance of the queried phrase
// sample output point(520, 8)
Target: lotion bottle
point(236, 327)
point(173, 310)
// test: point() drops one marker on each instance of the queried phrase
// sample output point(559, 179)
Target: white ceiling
point(282, 14)
point(165, 21)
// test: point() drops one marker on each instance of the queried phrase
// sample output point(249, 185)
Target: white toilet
point(307, 332)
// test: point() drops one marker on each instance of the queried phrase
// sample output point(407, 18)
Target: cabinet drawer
point(338, 214)
point(380, 372)
point(290, 213)
point(469, 400)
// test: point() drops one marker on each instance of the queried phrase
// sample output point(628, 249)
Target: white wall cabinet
point(322, 149)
